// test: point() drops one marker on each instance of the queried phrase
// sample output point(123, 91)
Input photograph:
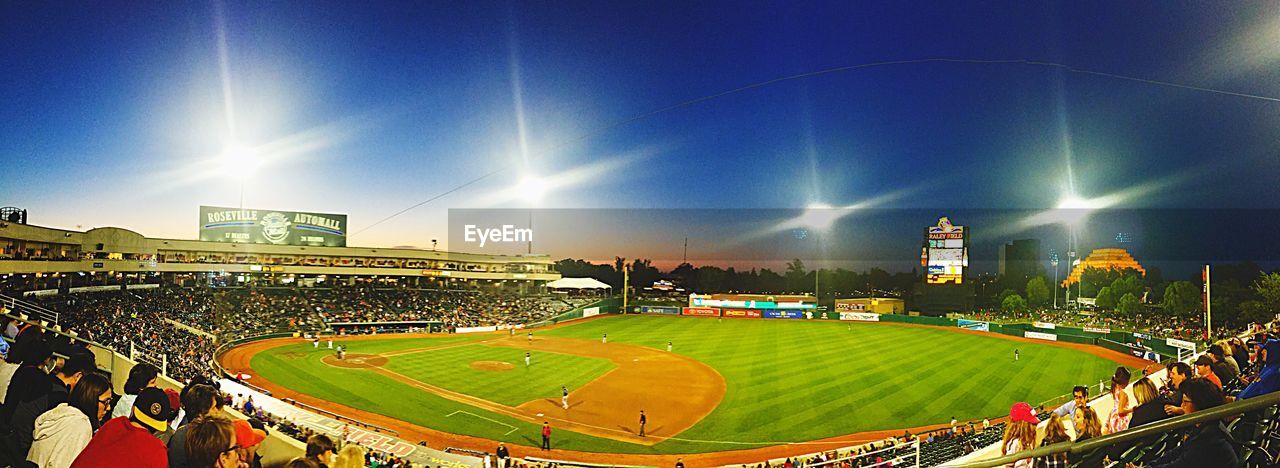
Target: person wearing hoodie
point(55, 390)
point(141, 376)
point(62, 432)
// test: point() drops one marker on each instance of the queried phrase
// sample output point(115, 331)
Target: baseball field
point(727, 385)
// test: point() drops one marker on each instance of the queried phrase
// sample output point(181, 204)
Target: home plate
point(539, 415)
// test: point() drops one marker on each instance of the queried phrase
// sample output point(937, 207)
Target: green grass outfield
point(787, 381)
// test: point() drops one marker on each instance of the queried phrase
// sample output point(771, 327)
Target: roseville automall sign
point(255, 226)
point(1040, 336)
point(1047, 325)
point(860, 316)
point(1097, 330)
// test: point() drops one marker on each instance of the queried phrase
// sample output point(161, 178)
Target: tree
point(1129, 305)
point(1004, 294)
point(1106, 299)
point(1268, 286)
point(1255, 311)
point(1037, 291)
point(1013, 303)
point(1181, 298)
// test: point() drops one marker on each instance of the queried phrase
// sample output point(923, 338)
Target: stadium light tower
point(818, 217)
point(534, 188)
point(239, 162)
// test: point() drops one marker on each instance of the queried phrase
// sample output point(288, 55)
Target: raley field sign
point(255, 226)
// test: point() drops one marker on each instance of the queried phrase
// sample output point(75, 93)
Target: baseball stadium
point(436, 358)
point(623, 234)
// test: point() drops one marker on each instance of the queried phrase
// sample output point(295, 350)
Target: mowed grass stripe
point(451, 369)
point(804, 380)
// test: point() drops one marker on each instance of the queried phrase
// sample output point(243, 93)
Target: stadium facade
point(36, 257)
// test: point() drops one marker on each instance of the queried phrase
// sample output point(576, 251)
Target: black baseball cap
point(152, 409)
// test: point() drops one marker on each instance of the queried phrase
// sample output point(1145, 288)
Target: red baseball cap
point(246, 435)
point(1022, 412)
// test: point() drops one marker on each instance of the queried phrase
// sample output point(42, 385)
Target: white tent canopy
point(577, 283)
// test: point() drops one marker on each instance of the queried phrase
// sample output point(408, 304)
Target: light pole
point(1053, 260)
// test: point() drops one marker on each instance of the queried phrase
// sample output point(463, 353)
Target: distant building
point(1104, 259)
point(1020, 259)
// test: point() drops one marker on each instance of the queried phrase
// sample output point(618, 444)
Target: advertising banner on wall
point(702, 311)
point(590, 311)
point(741, 313)
point(1176, 343)
point(257, 226)
point(1097, 330)
point(860, 316)
point(660, 310)
point(783, 314)
point(842, 306)
point(1143, 336)
point(1045, 325)
point(973, 325)
point(1040, 336)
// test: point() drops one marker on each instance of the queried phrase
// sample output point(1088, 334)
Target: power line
point(690, 102)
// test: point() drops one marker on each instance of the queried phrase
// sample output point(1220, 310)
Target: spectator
point(247, 440)
point(1150, 407)
point(31, 375)
point(1178, 373)
point(13, 361)
point(55, 390)
point(1204, 369)
point(211, 443)
point(62, 432)
point(301, 462)
point(198, 400)
point(1054, 433)
point(130, 441)
point(1079, 399)
point(1087, 427)
point(320, 450)
point(1268, 379)
point(141, 376)
point(1209, 444)
point(1121, 411)
point(1221, 368)
point(351, 456)
point(1021, 433)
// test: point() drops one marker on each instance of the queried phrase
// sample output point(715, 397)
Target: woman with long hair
point(351, 456)
point(1121, 410)
point(1020, 434)
point(1088, 426)
point(1054, 432)
point(63, 432)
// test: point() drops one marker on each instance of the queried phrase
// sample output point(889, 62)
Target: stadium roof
point(577, 283)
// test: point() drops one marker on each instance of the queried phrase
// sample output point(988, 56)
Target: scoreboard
point(945, 254)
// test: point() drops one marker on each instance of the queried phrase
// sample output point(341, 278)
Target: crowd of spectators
point(1226, 371)
point(180, 324)
point(1187, 328)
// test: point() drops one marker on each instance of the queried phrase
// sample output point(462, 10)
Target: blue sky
point(112, 114)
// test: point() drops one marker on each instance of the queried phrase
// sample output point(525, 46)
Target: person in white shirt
point(141, 376)
point(63, 432)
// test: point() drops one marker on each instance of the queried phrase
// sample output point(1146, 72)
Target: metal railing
point(339, 417)
point(19, 306)
point(1132, 434)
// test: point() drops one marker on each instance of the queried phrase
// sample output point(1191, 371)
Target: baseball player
point(531, 337)
point(564, 400)
point(527, 356)
point(604, 338)
point(643, 421)
point(668, 346)
point(315, 343)
point(330, 343)
point(1015, 354)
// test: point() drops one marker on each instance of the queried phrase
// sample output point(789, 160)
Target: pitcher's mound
point(355, 361)
point(492, 365)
